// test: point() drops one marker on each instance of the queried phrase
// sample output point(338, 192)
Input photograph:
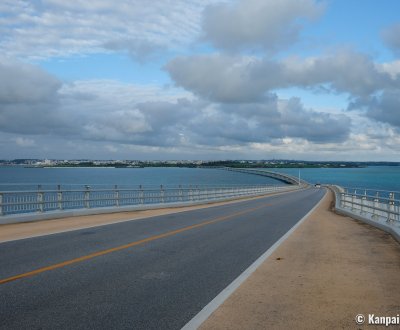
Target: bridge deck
point(155, 273)
point(328, 271)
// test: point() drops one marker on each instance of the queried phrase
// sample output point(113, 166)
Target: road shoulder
point(328, 271)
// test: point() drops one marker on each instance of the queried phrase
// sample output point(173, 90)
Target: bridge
point(286, 178)
point(164, 268)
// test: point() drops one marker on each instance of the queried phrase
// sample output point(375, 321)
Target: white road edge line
point(212, 306)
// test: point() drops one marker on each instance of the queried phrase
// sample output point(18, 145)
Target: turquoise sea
point(17, 178)
point(371, 177)
point(20, 178)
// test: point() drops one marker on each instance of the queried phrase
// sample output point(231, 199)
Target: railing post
point(1, 204)
point(141, 195)
point(162, 194)
point(40, 199)
point(363, 200)
point(391, 207)
point(190, 194)
point(116, 195)
point(375, 205)
point(397, 212)
point(59, 197)
point(396, 215)
point(87, 197)
point(342, 200)
point(180, 193)
point(352, 199)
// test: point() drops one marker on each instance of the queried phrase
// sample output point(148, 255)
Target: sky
point(200, 79)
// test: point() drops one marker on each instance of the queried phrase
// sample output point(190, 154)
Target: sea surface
point(20, 178)
point(371, 177)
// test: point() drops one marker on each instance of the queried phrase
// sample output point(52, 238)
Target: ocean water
point(19, 178)
point(371, 177)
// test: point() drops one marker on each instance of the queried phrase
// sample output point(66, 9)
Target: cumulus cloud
point(391, 36)
point(268, 120)
point(28, 98)
point(391, 68)
point(226, 78)
point(24, 83)
point(226, 101)
point(384, 107)
point(343, 72)
point(114, 112)
point(254, 24)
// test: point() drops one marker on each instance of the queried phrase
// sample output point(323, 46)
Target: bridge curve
point(271, 174)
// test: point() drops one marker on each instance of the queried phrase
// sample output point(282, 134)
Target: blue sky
point(302, 79)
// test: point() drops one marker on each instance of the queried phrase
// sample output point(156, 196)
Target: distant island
point(274, 163)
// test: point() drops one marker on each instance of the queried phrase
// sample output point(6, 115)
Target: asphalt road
point(155, 273)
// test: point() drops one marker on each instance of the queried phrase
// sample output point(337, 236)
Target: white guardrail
point(376, 205)
point(378, 208)
point(41, 201)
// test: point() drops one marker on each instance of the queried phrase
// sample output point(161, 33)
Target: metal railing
point(373, 204)
point(29, 201)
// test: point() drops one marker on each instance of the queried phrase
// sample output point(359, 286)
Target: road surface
point(155, 273)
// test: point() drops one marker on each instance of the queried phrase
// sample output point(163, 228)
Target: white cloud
point(227, 78)
point(392, 68)
point(225, 103)
point(24, 83)
point(391, 36)
point(28, 98)
point(253, 24)
point(24, 142)
point(109, 111)
point(383, 107)
point(53, 28)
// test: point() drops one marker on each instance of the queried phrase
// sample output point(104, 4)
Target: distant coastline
point(268, 164)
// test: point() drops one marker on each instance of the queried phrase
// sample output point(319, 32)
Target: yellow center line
point(126, 246)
